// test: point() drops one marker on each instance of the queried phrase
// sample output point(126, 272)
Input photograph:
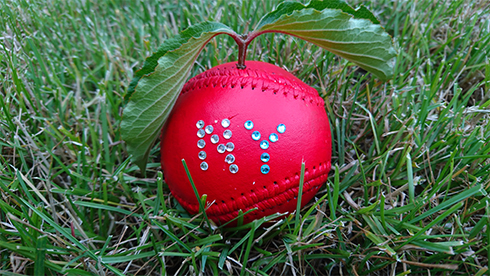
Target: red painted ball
point(244, 134)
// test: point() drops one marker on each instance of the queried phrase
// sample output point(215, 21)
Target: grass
point(408, 193)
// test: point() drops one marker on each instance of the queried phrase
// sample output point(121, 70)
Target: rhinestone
point(249, 125)
point(200, 133)
point(204, 166)
point(281, 128)
point(230, 146)
point(225, 123)
point(214, 139)
point(264, 144)
point(265, 157)
point(233, 168)
point(230, 158)
point(265, 169)
point(221, 148)
point(209, 129)
point(202, 155)
point(201, 144)
point(256, 135)
point(227, 134)
point(273, 137)
point(200, 124)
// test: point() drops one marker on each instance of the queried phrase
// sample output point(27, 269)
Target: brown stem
point(242, 52)
point(243, 41)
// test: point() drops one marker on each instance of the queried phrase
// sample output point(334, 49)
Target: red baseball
point(244, 134)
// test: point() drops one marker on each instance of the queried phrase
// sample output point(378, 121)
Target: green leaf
point(171, 44)
point(157, 85)
point(288, 7)
point(346, 32)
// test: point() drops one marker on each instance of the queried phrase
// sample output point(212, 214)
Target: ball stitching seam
point(227, 78)
point(323, 170)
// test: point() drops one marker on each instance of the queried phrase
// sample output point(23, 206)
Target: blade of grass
point(249, 248)
point(196, 193)
point(300, 195)
point(432, 223)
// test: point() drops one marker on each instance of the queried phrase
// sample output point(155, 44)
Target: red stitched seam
point(196, 207)
point(225, 78)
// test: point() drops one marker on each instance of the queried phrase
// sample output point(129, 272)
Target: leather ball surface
point(244, 134)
